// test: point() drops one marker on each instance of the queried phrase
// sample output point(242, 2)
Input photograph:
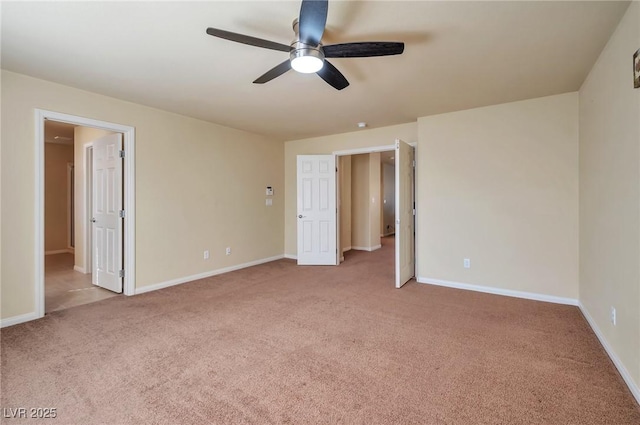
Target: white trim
point(359, 151)
point(633, 387)
point(384, 235)
point(290, 256)
point(180, 280)
point(10, 321)
point(70, 204)
point(59, 251)
point(129, 198)
point(366, 248)
point(87, 163)
point(346, 248)
point(80, 269)
point(499, 291)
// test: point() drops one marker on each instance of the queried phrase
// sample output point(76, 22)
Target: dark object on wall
point(636, 69)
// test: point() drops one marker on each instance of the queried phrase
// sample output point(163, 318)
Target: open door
point(405, 213)
point(107, 213)
point(317, 212)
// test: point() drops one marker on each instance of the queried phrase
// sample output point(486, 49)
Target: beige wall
point(499, 185)
point(384, 136)
point(374, 200)
point(198, 186)
point(365, 201)
point(360, 201)
point(56, 224)
point(81, 136)
point(345, 202)
point(610, 194)
point(388, 222)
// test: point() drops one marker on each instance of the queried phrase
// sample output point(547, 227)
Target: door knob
point(93, 220)
point(301, 216)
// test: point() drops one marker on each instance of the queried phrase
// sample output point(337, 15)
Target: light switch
point(269, 202)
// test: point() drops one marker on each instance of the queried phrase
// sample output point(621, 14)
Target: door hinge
point(121, 154)
point(121, 273)
point(414, 211)
point(414, 163)
point(121, 213)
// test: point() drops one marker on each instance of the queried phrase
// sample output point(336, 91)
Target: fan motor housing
point(304, 52)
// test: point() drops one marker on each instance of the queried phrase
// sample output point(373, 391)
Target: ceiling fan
point(307, 54)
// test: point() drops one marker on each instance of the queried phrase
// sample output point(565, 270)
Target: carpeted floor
point(278, 343)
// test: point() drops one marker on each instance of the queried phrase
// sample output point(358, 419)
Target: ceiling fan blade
point(313, 18)
point(331, 75)
point(363, 50)
point(274, 72)
point(245, 39)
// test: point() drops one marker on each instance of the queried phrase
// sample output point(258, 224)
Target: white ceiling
point(458, 55)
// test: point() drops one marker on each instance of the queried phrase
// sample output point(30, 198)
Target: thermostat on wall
point(269, 191)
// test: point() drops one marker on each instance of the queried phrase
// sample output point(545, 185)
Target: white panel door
point(405, 219)
point(317, 210)
point(106, 206)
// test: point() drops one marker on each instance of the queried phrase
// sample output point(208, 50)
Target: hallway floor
point(65, 287)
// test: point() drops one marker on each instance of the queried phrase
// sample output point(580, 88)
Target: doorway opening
point(370, 160)
point(67, 253)
point(67, 281)
point(366, 201)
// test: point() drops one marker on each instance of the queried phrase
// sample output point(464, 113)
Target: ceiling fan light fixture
point(307, 60)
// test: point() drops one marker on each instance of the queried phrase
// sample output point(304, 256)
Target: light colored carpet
point(278, 343)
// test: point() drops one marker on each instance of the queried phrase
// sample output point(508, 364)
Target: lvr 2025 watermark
point(29, 412)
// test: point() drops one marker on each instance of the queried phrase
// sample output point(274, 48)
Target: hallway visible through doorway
point(65, 287)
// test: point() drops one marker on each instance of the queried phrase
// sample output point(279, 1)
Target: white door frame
point(70, 206)
point(87, 161)
point(385, 148)
point(129, 197)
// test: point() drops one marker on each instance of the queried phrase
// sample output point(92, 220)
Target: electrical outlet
point(613, 316)
point(228, 251)
point(206, 254)
point(467, 263)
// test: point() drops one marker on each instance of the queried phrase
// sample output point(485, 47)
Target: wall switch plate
point(613, 316)
point(206, 254)
point(467, 263)
point(228, 250)
point(269, 202)
point(269, 191)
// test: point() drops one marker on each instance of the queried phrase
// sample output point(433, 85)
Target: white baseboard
point(291, 256)
point(633, 387)
point(346, 248)
point(384, 235)
point(178, 281)
point(10, 321)
point(58, 251)
point(80, 269)
point(500, 291)
point(366, 248)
